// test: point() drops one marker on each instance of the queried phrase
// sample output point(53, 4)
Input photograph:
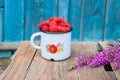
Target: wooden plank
point(41, 69)
point(63, 6)
point(74, 17)
point(92, 20)
point(3, 64)
point(111, 75)
point(20, 63)
point(6, 53)
point(1, 19)
point(37, 11)
point(7, 48)
point(103, 45)
point(1, 3)
point(14, 20)
point(1, 25)
point(9, 45)
point(112, 21)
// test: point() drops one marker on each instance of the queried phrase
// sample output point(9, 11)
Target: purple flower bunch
point(110, 55)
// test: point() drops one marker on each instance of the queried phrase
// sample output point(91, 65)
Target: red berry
point(61, 24)
point(47, 23)
point(63, 29)
point(52, 23)
point(65, 21)
point(53, 29)
point(67, 28)
point(67, 25)
point(56, 24)
point(51, 19)
point(43, 24)
point(45, 28)
point(59, 28)
point(58, 20)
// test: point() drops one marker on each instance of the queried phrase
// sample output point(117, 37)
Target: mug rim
point(56, 32)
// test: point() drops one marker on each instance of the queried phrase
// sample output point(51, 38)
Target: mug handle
point(33, 38)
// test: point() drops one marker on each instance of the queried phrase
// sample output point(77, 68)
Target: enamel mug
point(54, 46)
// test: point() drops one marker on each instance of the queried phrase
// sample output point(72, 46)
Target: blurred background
point(92, 20)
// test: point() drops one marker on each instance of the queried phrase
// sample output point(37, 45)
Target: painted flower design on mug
point(53, 49)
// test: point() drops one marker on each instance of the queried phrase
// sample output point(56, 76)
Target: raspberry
point(67, 28)
point(57, 20)
point(67, 25)
point(53, 29)
point(52, 23)
point(63, 29)
point(65, 21)
point(41, 25)
point(61, 24)
point(45, 28)
point(51, 19)
point(56, 24)
point(59, 28)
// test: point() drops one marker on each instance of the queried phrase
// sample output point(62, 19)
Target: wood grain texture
point(1, 3)
point(111, 75)
point(41, 69)
point(92, 20)
point(112, 21)
point(103, 45)
point(1, 19)
point(37, 11)
point(74, 17)
point(4, 64)
point(63, 7)
point(14, 20)
point(9, 45)
point(20, 63)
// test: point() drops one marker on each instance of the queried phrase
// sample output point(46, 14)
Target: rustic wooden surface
point(27, 64)
point(104, 45)
point(3, 64)
point(9, 45)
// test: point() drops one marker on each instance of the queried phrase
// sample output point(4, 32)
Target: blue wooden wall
point(92, 20)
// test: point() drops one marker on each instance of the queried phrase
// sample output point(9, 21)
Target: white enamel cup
point(54, 46)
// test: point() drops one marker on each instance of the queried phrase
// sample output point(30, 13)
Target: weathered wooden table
point(27, 64)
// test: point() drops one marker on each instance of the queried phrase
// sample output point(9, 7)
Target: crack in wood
point(29, 65)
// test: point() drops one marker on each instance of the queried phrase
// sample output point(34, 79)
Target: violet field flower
point(110, 55)
point(82, 61)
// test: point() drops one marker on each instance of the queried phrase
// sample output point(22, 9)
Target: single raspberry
point(51, 19)
point(58, 20)
point(45, 28)
point(61, 24)
point(63, 29)
point(59, 28)
point(67, 25)
point(53, 29)
point(52, 23)
point(41, 25)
